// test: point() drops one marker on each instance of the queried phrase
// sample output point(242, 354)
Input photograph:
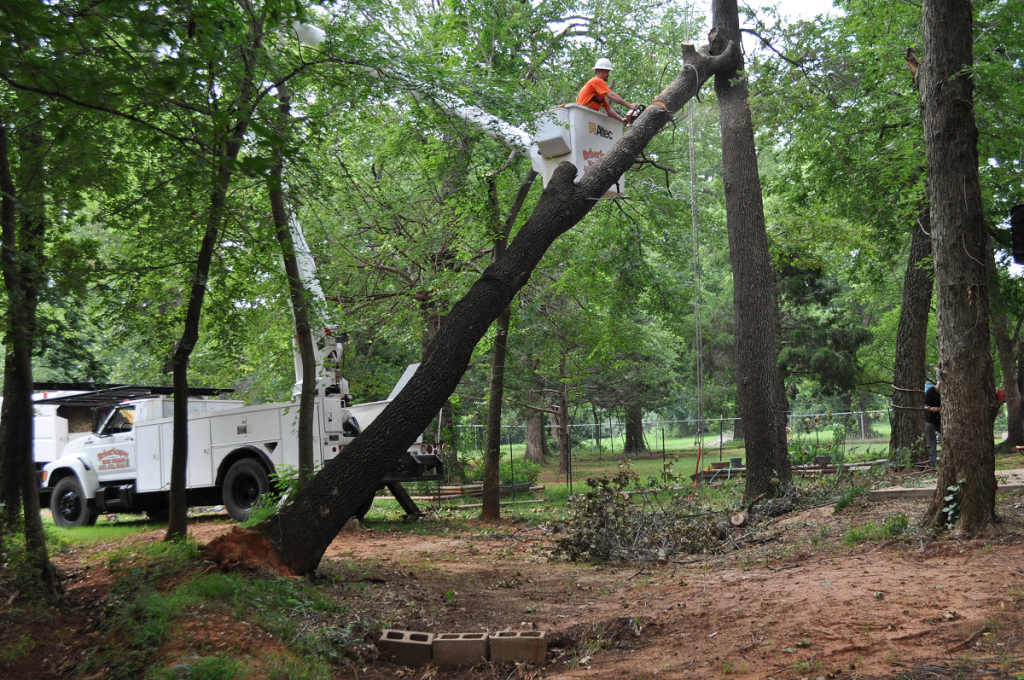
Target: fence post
point(663, 471)
point(611, 437)
point(721, 436)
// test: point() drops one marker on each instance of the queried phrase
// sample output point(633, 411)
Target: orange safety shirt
point(593, 94)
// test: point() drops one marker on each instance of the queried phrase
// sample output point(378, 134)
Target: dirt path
point(783, 606)
point(792, 603)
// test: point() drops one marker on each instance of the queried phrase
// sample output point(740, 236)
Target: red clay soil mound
point(244, 547)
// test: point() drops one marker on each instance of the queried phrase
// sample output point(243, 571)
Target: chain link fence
point(596, 448)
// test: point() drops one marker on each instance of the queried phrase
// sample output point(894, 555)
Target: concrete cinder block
point(519, 646)
point(405, 647)
point(460, 649)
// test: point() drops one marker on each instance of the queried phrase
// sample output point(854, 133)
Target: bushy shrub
point(608, 525)
point(525, 471)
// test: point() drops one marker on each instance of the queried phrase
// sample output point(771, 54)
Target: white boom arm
point(327, 345)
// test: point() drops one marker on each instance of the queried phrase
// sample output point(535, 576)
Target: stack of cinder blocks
point(411, 648)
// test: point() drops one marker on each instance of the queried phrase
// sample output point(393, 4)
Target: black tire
point(244, 483)
point(69, 506)
point(365, 507)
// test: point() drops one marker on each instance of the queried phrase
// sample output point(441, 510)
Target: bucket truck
point(124, 464)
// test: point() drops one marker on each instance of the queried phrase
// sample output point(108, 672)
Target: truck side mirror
point(95, 420)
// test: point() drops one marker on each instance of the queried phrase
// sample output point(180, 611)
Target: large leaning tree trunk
point(298, 295)
point(225, 150)
point(757, 375)
point(297, 536)
point(22, 232)
point(491, 505)
point(959, 245)
point(1007, 357)
point(908, 372)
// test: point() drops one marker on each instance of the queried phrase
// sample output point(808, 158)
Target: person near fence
point(932, 420)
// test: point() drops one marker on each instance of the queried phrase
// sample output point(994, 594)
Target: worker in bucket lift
point(597, 95)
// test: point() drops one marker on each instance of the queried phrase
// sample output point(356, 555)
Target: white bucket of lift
point(577, 134)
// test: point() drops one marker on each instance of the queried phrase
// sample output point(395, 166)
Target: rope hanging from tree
point(697, 297)
point(697, 293)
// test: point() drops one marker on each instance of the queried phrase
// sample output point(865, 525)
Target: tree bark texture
point(491, 506)
point(1007, 357)
point(225, 147)
point(959, 245)
point(307, 524)
point(298, 295)
point(634, 423)
point(908, 372)
point(536, 439)
point(757, 376)
point(11, 421)
point(177, 526)
point(23, 232)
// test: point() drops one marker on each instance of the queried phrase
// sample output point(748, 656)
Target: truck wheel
point(244, 483)
point(365, 507)
point(68, 504)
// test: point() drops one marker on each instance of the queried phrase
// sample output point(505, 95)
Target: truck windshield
point(121, 419)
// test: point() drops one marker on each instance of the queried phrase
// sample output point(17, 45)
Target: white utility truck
point(125, 462)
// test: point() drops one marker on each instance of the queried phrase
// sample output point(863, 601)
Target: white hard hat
point(603, 64)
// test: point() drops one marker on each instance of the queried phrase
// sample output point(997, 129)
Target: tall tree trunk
point(226, 153)
point(634, 430)
point(11, 421)
point(22, 234)
point(564, 451)
point(491, 505)
point(11, 425)
point(908, 373)
point(536, 438)
point(491, 509)
point(1020, 364)
point(300, 532)
point(298, 295)
point(1007, 357)
point(959, 246)
point(757, 374)
point(1008, 366)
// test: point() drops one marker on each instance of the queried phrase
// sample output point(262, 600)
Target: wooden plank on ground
point(883, 494)
point(480, 505)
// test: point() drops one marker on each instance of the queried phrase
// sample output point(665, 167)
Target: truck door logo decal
point(113, 459)
point(600, 131)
